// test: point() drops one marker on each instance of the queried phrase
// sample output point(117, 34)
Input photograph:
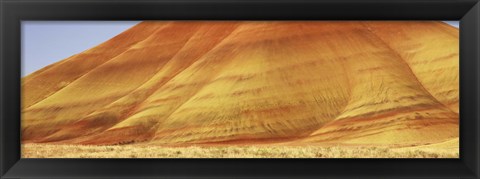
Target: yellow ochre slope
point(252, 82)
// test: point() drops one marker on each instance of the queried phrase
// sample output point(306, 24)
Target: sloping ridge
point(183, 83)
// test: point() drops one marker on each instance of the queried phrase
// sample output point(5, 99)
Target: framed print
point(239, 89)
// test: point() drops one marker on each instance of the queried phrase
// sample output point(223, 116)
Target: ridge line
point(368, 28)
point(174, 75)
point(102, 64)
point(151, 78)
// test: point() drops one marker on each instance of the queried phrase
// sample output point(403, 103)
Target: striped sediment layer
point(239, 82)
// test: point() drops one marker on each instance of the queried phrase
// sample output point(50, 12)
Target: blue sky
point(453, 23)
point(46, 42)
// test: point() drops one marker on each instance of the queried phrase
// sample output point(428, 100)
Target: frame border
point(12, 12)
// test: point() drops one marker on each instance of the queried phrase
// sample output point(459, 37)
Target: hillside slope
point(181, 83)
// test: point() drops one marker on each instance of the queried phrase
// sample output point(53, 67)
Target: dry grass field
point(136, 151)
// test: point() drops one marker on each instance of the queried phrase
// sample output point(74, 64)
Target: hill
point(264, 83)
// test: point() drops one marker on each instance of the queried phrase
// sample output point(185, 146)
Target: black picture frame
point(14, 11)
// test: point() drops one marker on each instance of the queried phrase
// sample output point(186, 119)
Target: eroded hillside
point(181, 83)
